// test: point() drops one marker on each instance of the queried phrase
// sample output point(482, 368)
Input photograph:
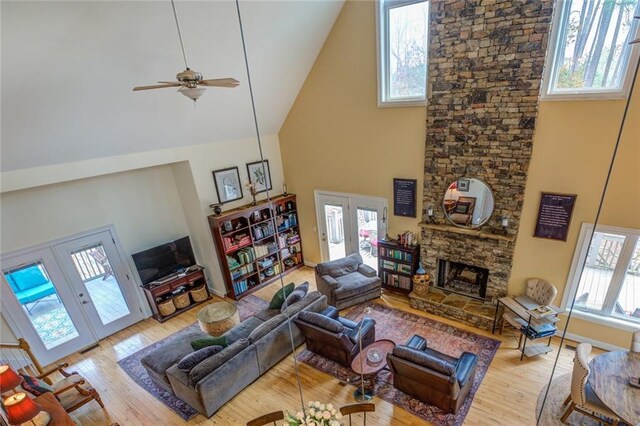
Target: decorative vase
point(254, 202)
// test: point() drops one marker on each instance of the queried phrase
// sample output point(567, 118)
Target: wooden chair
point(101, 258)
point(582, 398)
point(266, 419)
point(72, 391)
point(364, 408)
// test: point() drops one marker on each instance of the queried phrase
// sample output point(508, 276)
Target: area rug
point(399, 326)
point(247, 306)
point(554, 406)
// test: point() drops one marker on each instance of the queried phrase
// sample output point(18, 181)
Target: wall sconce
point(384, 226)
point(430, 214)
point(504, 222)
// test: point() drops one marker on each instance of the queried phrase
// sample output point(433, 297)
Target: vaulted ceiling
point(68, 69)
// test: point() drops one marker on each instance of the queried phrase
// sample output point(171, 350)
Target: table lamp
point(9, 380)
point(21, 409)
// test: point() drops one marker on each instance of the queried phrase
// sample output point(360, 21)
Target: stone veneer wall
point(485, 68)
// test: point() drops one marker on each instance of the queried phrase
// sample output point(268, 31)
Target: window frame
point(605, 315)
point(558, 32)
point(382, 43)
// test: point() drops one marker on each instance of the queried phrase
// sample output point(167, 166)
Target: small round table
point(369, 371)
point(609, 379)
point(218, 318)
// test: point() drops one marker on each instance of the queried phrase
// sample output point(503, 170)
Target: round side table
point(218, 318)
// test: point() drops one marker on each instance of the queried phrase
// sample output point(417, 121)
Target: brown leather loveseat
point(334, 337)
point(431, 376)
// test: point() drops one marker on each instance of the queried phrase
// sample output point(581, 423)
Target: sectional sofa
point(255, 345)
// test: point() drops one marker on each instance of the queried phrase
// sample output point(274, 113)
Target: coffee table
point(218, 318)
point(368, 370)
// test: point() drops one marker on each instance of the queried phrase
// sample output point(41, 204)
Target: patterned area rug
point(247, 306)
point(554, 408)
point(399, 326)
point(54, 326)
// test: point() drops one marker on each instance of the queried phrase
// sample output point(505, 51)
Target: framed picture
point(554, 215)
point(463, 185)
point(259, 175)
point(404, 197)
point(228, 185)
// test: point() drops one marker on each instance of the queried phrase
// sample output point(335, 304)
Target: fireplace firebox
point(461, 278)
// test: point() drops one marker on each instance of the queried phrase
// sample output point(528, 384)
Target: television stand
point(160, 292)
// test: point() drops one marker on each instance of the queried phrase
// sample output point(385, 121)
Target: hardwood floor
point(507, 395)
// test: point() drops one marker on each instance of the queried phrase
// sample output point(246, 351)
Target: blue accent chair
point(30, 285)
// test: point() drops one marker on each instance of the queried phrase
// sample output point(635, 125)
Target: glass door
point(41, 306)
point(368, 228)
point(349, 224)
point(333, 226)
point(101, 283)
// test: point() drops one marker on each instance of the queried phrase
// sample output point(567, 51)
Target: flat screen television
point(163, 260)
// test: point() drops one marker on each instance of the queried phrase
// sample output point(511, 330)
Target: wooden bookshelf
point(256, 244)
point(396, 266)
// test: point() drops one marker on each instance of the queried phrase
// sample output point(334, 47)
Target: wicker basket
point(166, 308)
point(182, 300)
point(199, 294)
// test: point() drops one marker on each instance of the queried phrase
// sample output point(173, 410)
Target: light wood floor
point(507, 395)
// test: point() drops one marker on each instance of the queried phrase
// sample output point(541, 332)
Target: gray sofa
point(255, 345)
point(347, 281)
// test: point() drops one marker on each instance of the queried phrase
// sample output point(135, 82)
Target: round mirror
point(468, 203)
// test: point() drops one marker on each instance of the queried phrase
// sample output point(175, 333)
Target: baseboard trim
point(596, 343)
point(310, 264)
point(217, 292)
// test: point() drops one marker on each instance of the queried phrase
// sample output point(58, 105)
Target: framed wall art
point(554, 216)
point(404, 197)
point(259, 175)
point(228, 185)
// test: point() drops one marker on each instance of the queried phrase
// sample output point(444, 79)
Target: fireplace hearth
point(461, 278)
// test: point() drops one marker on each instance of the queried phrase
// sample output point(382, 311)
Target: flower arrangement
point(252, 190)
point(315, 414)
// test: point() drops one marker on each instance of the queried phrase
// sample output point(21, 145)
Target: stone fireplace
point(485, 69)
point(463, 279)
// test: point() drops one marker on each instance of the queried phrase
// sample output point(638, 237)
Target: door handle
point(84, 302)
point(81, 294)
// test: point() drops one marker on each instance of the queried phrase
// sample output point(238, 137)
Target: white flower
point(312, 412)
point(318, 415)
point(338, 416)
point(329, 407)
point(300, 415)
point(334, 423)
point(322, 408)
point(326, 415)
point(310, 403)
point(333, 410)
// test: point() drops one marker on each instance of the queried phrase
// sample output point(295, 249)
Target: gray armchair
point(347, 281)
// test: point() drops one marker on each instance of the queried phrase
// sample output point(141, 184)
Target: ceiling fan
point(192, 84)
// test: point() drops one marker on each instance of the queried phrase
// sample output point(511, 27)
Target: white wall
point(150, 198)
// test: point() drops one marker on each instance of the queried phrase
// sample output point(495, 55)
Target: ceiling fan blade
point(220, 82)
point(156, 86)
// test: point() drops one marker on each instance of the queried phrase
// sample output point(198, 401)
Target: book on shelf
point(263, 230)
point(395, 280)
point(396, 254)
point(541, 311)
point(243, 271)
point(538, 332)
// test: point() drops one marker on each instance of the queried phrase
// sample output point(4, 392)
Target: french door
point(349, 224)
point(66, 296)
point(101, 283)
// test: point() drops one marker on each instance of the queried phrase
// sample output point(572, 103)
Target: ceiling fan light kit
point(191, 83)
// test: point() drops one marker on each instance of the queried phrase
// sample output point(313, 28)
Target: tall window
point(610, 282)
point(590, 48)
point(402, 47)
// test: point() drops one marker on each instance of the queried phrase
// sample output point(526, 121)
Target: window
point(609, 285)
point(590, 49)
point(402, 52)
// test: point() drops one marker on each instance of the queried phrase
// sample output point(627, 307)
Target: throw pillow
point(195, 358)
point(34, 385)
point(463, 207)
point(321, 321)
point(280, 296)
point(203, 342)
point(296, 295)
